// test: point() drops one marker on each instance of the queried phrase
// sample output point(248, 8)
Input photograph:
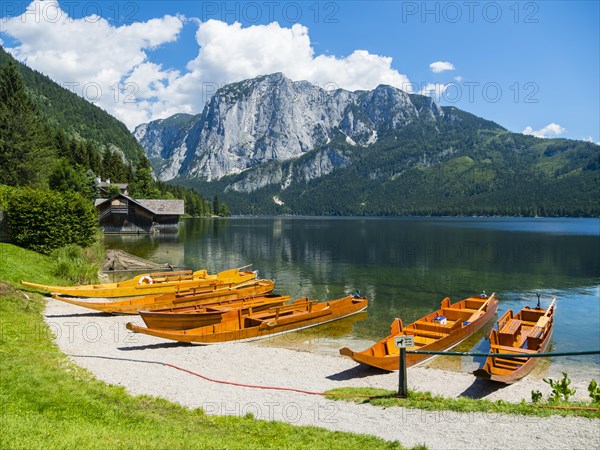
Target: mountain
point(67, 111)
point(272, 145)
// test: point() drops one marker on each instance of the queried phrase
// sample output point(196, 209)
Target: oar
point(480, 312)
point(550, 307)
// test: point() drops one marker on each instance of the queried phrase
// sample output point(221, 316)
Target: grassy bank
point(428, 402)
point(49, 402)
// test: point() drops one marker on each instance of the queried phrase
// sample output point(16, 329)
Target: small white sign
point(404, 341)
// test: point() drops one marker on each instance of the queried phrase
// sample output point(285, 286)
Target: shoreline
point(101, 344)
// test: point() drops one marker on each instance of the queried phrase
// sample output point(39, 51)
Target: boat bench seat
point(457, 314)
point(431, 334)
point(509, 332)
point(432, 326)
point(509, 349)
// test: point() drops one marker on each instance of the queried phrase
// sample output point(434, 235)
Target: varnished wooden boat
point(237, 326)
point(526, 333)
point(184, 318)
point(197, 296)
point(461, 320)
point(151, 283)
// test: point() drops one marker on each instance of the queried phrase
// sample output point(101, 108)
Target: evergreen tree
point(142, 185)
point(215, 208)
point(24, 149)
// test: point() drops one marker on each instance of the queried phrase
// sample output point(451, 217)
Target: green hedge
point(44, 220)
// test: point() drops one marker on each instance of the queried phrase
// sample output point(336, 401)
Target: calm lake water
point(406, 266)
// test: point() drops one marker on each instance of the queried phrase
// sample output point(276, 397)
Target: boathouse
point(123, 214)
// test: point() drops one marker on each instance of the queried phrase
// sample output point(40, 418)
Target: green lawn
point(49, 402)
point(426, 401)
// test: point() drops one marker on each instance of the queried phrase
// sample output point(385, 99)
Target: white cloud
point(591, 139)
point(441, 66)
point(110, 64)
point(91, 57)
point(435, 90)
point(232, 53)
point(458, 78)
point(550, 130)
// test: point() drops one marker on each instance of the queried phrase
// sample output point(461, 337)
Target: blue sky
point(521, 64)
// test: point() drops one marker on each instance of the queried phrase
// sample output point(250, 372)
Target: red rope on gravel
point(302, 391)
point(256, 386)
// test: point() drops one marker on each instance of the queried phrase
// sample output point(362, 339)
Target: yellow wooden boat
point(440, 330)
point(239, 326)
point(195, 296)
point(151, 283)
point(526, 333)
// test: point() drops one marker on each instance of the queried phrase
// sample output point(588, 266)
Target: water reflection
point(406, 266)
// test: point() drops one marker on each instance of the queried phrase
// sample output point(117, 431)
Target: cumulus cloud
point(441, 66)
point(91, 57)
point(110, 64)
point(550, 130)
point(591, 139)
point(229, 52)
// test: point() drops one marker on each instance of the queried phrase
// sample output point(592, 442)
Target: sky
point(532, 67)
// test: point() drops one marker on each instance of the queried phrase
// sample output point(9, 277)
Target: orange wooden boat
point(440, 330)
point(526, 333)
point(151, 284)
point(210, 294)
point(184, 318)
point(237, 326)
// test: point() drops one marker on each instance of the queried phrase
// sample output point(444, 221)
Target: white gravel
point(101, 344)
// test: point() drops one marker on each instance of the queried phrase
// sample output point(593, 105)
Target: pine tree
point(25, 151)
point(142, 185)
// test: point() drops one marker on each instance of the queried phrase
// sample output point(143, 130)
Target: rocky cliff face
point(271, 118)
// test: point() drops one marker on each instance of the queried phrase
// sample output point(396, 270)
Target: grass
point(428, 402)
point(78, 265)
point(49, 402)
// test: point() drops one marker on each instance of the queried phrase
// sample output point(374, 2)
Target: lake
point(406, 266)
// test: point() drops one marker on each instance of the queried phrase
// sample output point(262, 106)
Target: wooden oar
point(480, 311)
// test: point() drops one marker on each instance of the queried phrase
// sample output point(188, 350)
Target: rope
point(301, 391)
point(257, 386)
point(505, 355)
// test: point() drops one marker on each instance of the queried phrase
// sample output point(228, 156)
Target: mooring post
point(402, 383)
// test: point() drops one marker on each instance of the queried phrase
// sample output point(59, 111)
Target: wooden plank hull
point(151, 284)
point(211, 294)
point(187, 317)
point(527, 337)
point(469, 315)
point(237, 326)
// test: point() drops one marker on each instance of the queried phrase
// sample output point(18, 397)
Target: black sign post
point(402, 342)
point(402, 384)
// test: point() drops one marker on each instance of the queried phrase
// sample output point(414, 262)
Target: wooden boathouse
point(123, 214)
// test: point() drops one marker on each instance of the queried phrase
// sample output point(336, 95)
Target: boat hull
point(510, 371)
point(150, 284)
point(241, 327)
point(213, 294)
point(207, 314)
point(384, 355)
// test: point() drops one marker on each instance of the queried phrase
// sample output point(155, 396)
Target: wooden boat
point(151, 283)
point(184, 318)
point(196, 296)
point(526, 333)
point(440, 330)
point(237, 326)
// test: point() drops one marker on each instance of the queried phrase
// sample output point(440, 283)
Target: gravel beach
point(101, 344)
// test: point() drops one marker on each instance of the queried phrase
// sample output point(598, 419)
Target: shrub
point(44, 220)
point(78, 265)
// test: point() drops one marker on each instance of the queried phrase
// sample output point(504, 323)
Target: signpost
point(402, 342)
